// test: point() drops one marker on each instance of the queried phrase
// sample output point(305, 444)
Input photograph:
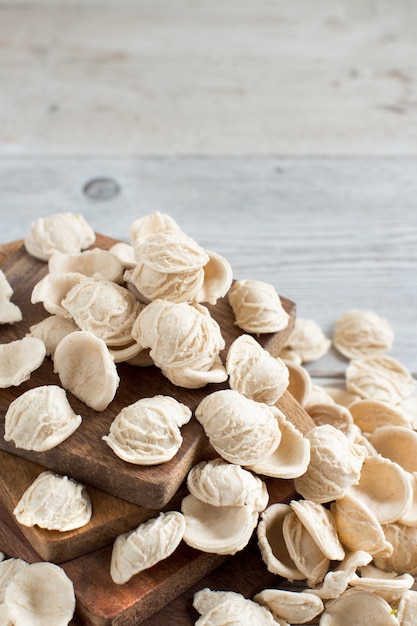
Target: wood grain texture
point(84, 455)
point(153, 77)
point(100, 602)
point(292, 83)
point(245, 573)
point(330, 234)
point(111, 516)
point(7, 249)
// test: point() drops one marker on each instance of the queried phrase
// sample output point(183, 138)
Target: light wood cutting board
point(84, 455)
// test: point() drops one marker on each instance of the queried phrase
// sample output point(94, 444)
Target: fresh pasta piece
point(257, 307)
point(146, 545)
point(147, 432)
point(360, 333)
point(60, 232)
point(54, 502)
point(39, 594)
point(40, 419)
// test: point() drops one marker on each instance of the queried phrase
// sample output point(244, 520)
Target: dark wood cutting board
point(162, 588)
point(111, 516)
point(84, 455)
point(100, 602)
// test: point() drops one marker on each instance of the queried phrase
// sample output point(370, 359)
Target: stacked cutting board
point(122, 494)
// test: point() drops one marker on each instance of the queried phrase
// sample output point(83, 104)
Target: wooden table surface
point(282, 135)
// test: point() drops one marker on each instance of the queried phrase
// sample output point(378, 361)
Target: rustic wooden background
point(180, 77)
point(281, 134)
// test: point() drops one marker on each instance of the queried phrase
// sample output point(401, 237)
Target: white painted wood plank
point(178, 77)
point(331, 234)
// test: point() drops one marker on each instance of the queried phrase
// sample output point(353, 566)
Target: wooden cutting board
point(111, 516)
point(245, 573)
point(100, 602)
point(84, 455)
